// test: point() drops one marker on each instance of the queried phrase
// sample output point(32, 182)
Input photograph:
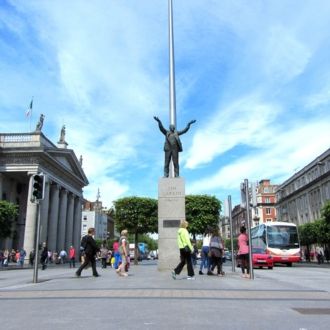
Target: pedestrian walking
point(63, 256)
point(72, 257)
point(186, 249)
point(116, 254)
point(31, 257)
point(44, 256)
point(6, 258)
point(104, 253)
point(205, 263)
point(90, 248)
point(21, 257)
point(243, 252)
point(124, 253)
point(216, 252)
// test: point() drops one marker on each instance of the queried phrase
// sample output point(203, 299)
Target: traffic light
point(38, 186)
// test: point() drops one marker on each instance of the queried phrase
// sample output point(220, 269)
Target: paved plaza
point(285, 298)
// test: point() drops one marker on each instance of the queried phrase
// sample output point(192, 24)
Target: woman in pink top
point(243, 252)
point(72, 257)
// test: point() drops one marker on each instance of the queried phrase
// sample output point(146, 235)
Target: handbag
point(186, 249)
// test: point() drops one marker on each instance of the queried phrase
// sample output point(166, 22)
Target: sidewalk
point(149, 299)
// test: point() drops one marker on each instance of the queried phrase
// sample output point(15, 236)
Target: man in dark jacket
point(90, 252)
point(44, 256)
point(172, 146)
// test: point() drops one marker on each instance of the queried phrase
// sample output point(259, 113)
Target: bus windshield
point(283, 237)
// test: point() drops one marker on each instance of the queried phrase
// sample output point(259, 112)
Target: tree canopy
point(202, 211)
point(136, 214)
point(8, 212)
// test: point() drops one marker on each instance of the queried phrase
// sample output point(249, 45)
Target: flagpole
point(30, 111)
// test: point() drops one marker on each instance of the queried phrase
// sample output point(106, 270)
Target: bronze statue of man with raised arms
point(172, 146)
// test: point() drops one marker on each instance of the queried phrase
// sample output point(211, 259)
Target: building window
point(268, 210)
point(268, 220)
point(85, 217)
point(267, 200)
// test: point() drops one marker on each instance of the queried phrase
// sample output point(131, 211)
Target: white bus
point(279, 239)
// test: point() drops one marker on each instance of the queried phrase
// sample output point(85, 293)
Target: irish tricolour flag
point(28, 111)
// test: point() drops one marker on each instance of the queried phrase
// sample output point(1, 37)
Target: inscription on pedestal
point(171, 223)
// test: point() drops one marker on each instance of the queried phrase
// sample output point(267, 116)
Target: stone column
point(62, 219)
point(53, 216)
point(171, 210)
point(11, 197)
point(44, 208)
point(22, 215)
point(30, 222)
point(77, 224)
point(69, 223)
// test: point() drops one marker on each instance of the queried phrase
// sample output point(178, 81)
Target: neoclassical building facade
point(301, 197)
point(22, 156)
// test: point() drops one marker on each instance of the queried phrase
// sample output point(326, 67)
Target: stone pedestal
point(171, 210)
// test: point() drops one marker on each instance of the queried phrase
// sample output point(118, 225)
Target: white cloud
point(110, 190)
point(238, 123)
point(283, 56)
point(281, 156)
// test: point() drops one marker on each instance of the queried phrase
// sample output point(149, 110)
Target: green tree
point(307, 233)
point(325, 212)
point(138, 215)
point(202, 211)
point(8, 212)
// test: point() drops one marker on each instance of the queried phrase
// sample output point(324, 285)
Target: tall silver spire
point(172, 68)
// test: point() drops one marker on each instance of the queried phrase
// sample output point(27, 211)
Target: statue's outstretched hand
point(192, 122)
point(156, 118)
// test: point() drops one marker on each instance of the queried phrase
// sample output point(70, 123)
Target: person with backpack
point(90, 249)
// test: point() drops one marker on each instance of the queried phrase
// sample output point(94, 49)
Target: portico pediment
point(67, 159)
point(29, 152)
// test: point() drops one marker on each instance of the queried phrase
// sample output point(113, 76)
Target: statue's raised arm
point(187, 127)
point(160, 125)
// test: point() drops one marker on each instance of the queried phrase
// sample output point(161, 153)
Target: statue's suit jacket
point(167, 145)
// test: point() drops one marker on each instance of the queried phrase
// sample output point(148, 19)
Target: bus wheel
point(270, 267)
point(289, 264)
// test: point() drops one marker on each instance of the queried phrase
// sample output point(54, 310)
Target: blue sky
point(254, 74)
